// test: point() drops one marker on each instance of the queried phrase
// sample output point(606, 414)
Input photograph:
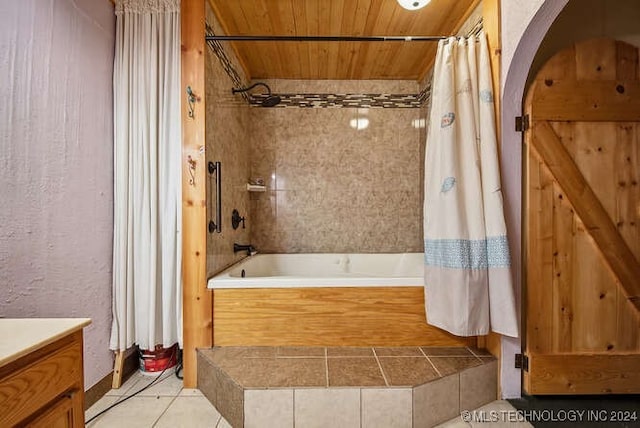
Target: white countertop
point(20, 336)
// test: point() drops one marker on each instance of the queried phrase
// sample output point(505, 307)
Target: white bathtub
point(322, 270)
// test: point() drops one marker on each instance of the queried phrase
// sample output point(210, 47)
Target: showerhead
point(269, 101)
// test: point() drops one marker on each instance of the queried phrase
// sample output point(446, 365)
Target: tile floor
point(168, 404)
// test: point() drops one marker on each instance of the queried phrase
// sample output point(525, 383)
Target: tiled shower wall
point(227, 140)
point(333, 188)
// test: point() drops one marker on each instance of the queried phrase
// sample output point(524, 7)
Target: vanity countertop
point(20, 336)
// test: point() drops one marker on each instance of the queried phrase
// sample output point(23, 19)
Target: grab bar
point(215, 172)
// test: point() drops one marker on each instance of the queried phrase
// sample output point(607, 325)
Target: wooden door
point(582, 222)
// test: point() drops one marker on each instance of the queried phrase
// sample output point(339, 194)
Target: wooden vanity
point(41, 372)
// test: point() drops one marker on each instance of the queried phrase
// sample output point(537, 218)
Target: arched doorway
point(582, 234)
point(516, 65)
point(527, 25)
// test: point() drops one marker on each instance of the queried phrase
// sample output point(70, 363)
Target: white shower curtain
point(468, 283)
point(147, 245)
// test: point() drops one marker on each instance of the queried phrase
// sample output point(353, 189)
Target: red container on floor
point(159, 359)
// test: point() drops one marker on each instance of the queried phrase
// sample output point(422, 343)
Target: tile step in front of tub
point(345, 386)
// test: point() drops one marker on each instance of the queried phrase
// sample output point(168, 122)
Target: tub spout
point(248, 248)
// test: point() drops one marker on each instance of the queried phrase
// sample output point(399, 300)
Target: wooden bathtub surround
point(583, 223)
point(197, 325)
point(338, 316)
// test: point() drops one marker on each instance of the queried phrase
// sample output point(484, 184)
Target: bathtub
point(322, 270)
point(324, 300)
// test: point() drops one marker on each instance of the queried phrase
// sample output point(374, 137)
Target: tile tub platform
point(345, 387)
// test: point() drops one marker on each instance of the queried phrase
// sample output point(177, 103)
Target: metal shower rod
point(327, 38)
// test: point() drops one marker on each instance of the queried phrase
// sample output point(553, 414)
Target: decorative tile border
point(328, 100)
point(343, 100)
point(318, 100)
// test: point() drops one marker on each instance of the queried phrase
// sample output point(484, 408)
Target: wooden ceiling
point(338, 60)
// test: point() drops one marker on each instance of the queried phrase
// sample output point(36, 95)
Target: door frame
point(516, 65)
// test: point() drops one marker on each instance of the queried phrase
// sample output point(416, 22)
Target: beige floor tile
point(190, 392)
point(223, 424)
point(386, 408)
point(167, 386)
point(136, 412)
point(322, 408)
point(99, 406)
point(126, 386)
point(189, 412)
point(268, 408)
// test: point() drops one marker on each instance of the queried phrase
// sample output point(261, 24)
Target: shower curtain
point(468, 283)
point(147, 291)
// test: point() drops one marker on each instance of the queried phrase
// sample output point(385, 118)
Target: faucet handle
point(236, 219)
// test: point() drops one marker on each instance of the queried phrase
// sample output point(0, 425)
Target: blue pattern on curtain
point(467, 254)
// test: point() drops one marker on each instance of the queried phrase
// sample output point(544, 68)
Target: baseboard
point(97, 391)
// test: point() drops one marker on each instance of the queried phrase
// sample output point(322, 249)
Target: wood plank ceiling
point(338, 60)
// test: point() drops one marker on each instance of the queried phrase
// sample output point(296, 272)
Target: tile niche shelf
point(367, 387)
point(256, 187)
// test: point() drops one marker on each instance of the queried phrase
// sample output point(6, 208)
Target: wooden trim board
point(586, 100)
point(196, 297)
point(363, 316)
point(583, 374)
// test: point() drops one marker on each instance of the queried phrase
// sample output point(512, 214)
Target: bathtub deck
point(345, 386)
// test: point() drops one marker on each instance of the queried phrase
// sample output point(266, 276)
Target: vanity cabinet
point(42, 385)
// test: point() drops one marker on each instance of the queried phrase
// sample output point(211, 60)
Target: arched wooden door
point(582, 222)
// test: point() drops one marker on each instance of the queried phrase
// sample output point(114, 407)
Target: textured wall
point(227, 141)
point(333, 188)
point(56, 60)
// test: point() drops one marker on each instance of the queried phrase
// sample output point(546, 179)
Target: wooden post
point(491, 24)
point(118, 366)
point(197, 315)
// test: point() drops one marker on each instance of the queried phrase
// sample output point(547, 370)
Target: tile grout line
point(219, 419)
point(165, 410)
point(474, 354)
point(293, 393)
point(360, 396)
point(386, 382)
point(326, 367)
point(431, 362)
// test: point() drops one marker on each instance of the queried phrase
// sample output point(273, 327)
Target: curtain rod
point(327, 38)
